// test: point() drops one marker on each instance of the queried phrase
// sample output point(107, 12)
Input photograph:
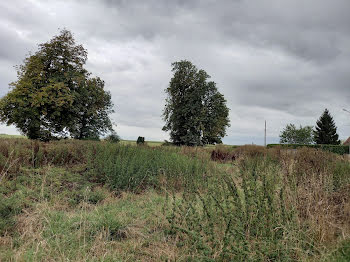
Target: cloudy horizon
point(279, 61)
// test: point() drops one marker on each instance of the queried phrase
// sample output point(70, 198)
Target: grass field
point(98, 201)
point(159, 143)
point(149, 143)
point(11, 136)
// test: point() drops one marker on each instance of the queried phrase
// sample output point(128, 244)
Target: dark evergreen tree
point(195, 112)
point(326, 131)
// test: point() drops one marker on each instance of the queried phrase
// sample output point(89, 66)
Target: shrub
point(113, 138)
point(220, 156)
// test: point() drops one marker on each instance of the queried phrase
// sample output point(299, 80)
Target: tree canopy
point(293, 135)
point(325, 131)
point(195, 112)
point(55, 96)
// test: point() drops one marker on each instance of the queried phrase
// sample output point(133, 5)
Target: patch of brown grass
point(322, 208)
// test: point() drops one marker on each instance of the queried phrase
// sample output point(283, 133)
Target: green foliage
point(326, 131)
point(54, 95)
point(341, 175)
point(248, 220)
point(113, 137)
point(106, 232)
point(195, 112)
point(337, 149)
point(293, 135)
point(122, 167)
point(125, 167)
point(9, 208)
point(269, 205)
point(90, 110)
point(342, 254)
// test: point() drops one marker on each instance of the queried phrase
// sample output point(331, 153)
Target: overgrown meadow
point(100, 201)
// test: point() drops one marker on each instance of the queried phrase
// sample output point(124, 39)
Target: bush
point(113, 138)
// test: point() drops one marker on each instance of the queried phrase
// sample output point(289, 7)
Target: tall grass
point(266, 205)
point(277, 206)
point(122, 167)
point(248, 218)
point(135, 168)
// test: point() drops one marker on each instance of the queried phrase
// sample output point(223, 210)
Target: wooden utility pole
point(349, 113)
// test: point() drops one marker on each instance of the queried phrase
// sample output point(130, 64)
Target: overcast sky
point(283, 61)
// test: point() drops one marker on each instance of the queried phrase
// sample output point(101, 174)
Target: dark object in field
point(140, 140)
point(217, 155)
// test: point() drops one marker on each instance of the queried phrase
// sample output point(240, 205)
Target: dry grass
point(66, 215)
point(141, 239)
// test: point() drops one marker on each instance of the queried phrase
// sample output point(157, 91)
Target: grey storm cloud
point(280, 61)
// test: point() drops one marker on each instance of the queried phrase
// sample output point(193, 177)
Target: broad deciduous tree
point(195, 112)
point(54, 95)
point(293, 135)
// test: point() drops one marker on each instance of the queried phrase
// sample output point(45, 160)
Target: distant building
point(347, 142)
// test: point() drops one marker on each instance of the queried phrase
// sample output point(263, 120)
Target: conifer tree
point(326, 131)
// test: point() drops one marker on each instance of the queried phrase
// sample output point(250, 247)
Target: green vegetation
point(113, 137)
point(195, 112)
point(248, 220)
point(134, 168)
point(102, 201)
point(54, 95)
point(148, 143)
point(293, 135)
point(11, 136)
point(278, 207)
point(338, 149)
point(326, 131)
point(112, 200)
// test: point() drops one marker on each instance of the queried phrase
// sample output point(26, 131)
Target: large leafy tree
point(325, 131)
point(195, 112)
point(293, 135)
point(90, 110)
point(54, 95)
